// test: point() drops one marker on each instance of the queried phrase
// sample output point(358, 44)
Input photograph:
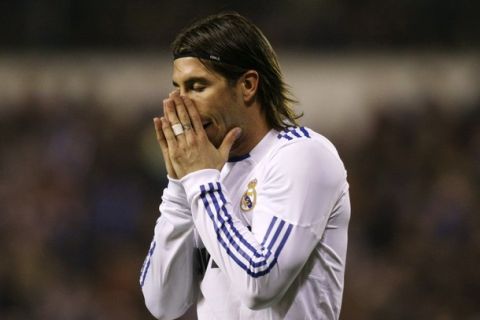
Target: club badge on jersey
point(249, 197)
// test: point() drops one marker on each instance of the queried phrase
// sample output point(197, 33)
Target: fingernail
point(238, 132)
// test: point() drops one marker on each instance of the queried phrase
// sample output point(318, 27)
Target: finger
point(168, 133)
point(158, 130)
point(228, 142)
point(194, 115)
point(184, 118)
point(171, 113)
point(170, 96)
point(164, 147)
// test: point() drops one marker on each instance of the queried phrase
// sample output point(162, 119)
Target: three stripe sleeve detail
point(256, 260)
point(291, 133)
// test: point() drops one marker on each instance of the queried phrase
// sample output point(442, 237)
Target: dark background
point(80, 186)
point(331, 24)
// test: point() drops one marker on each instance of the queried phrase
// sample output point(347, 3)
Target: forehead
point(189, 67)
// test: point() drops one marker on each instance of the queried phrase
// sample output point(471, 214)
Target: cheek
point(210, 106)
point(199, 105)
point(203, 102)
point(215, 105)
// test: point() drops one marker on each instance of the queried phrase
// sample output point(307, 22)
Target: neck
point(252, 134)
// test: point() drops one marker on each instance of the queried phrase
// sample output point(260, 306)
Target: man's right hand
point(163, 146)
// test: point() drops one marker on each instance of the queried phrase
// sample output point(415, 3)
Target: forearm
point(256, 268)
point(168, 276)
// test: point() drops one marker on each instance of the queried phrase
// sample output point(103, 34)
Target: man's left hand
point(191, 150)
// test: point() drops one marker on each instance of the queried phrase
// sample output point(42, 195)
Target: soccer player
point(253, 223)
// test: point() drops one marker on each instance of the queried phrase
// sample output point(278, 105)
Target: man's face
point(217, 102)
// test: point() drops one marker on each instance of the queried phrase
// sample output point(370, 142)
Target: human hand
point(190, 150)
point(163, 146)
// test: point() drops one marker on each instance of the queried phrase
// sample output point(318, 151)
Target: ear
point(249, 85)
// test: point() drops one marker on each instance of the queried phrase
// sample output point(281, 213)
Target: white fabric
point(279, 254)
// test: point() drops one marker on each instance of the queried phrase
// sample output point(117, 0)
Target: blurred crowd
point(414, 238)
point(338, 24)
point(77, 209)
point(80, 189)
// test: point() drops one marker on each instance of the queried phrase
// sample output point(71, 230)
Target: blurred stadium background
point(394, 84)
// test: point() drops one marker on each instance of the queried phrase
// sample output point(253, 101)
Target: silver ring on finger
point(177, 129)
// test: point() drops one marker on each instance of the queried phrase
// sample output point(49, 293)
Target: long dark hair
point(230, 44)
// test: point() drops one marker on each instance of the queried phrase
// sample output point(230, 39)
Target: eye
point(198, 87)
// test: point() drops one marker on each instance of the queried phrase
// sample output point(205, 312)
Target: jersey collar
point(261, 149)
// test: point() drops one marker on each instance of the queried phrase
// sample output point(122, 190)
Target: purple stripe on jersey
point(288, 132)
point(284, 240)
point(305, 132)
point(277, 253)
point(294, 132)
point(144, 272)
point(280, 136)
point(243, 240)
point(219, 238)
point(223, 223)
point(274, 219)
point(229, 221)
point(230, 237)
point(277, 233)
point(224, 245)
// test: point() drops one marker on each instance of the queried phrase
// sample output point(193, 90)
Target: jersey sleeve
point(296, 198)
point(168, 274)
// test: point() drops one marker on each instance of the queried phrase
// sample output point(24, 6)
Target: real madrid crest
point(249, 197)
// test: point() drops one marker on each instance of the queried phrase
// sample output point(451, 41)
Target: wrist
point(194, 180)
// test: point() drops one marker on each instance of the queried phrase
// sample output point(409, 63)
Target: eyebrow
point(190, 81)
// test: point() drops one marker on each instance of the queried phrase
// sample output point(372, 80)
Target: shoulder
point(294, 133)
point(305, 175)
point(302, 145)
point(306, 160)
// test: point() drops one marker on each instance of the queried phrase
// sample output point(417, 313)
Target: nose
point(186, 93)
point(182, 91)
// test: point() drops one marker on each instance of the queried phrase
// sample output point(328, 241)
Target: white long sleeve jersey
point(275, 225)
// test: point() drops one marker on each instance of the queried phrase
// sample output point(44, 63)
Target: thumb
point(228, 141)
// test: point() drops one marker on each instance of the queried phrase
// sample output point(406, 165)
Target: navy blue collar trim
point(239, 158)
